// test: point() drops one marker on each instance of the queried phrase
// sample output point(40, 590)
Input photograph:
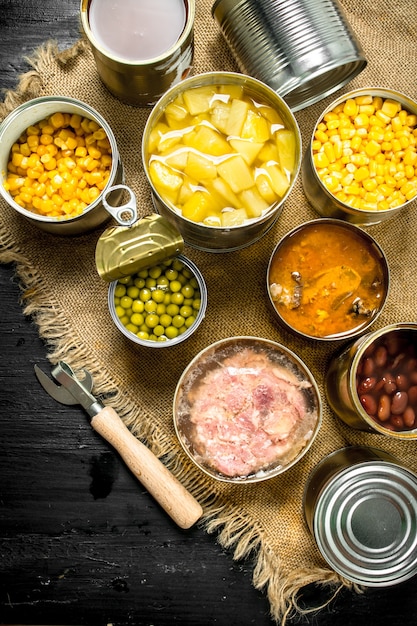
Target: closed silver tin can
point(360, 504)
point(303, 49)
point(142, 82)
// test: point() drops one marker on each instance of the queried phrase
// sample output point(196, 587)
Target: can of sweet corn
point(359, 175)
point(141, 49)
point(304, 49)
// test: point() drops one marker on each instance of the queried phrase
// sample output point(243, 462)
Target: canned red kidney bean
point(386, 381)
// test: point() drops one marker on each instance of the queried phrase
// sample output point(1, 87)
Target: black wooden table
point(80, 541)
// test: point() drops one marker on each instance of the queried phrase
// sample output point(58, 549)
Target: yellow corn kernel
point(390, 108)
point(350, 108)
point(320, 160)
point(49, 162)
point(361, 121)
point(321, 136)
point(56, 120)
point(372, 148)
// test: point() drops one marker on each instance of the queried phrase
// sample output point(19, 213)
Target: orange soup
point(327, 279)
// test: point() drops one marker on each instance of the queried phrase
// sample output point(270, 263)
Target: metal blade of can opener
point(174, 498)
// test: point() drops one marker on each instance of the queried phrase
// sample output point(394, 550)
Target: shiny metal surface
point(325, 202)
point(180, 338)
point(213, 238)
point(361, 506)
point(340, 384)
point(123, 251)
point(141, 83)
point(303, 49)
point(32, 112)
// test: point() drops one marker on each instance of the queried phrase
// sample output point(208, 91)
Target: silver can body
point(142, 83)
point(32, 112)
point(304, 49)
point(361, 506)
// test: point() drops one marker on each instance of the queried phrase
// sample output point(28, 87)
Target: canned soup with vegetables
point(219, 157)
point(365, 153)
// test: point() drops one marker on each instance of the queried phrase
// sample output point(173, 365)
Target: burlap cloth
point(68, 301)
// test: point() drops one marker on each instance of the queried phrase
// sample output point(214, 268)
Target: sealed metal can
point(140, 81)
point(360, 504)
point(371, 385)
point(304, 49)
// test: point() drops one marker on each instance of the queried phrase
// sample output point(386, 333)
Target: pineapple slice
point(237, 173)
point(176, 115)
point(272, 116)
point(155, 136)
point(209, 141)
point(263, 184)
point(238, 112)
point(198, 207)
point(163, 177)
point(187, 189)
point(177, 159)
point(199, 167)
point(248, 149)
point(233, 91)
point(255, 127)
point(237, 217)
point(221, 189)
point(198, 99)
point(252, 201)
point(220, 115)
point(269, 152)
point(285, 140)
point(213, 220)
point(278, 179)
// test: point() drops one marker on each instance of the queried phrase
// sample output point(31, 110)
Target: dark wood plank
point(81, 542)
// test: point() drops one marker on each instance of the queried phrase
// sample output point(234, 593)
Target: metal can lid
point(124, 250)
point(365, 523)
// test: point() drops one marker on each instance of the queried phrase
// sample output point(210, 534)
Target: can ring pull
point(124, 214)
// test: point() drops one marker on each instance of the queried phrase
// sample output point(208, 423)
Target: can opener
point(148, 469)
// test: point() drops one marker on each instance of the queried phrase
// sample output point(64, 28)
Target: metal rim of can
point(364, 523)
point(362, 345)
point(46, 105)
point(188, 27)
point(359, 216)
point(180, 338)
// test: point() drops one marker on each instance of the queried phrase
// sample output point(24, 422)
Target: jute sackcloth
point(68, 301)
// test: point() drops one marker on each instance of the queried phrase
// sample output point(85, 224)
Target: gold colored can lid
point(123, 251)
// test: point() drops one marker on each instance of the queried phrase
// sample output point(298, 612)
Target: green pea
point(120, 290)
point(167, 299)
point(173, 309)
point(189, 321)
point(126, 280)
point(139, 282)
point(150, 306)
point(171, 274)
point(171, 332)
point(158, 330)
point(125, 319)
point(143, 274)
point(177, 298)
point(162, 282)
point(137, 319)
point(165, 320)
point(155, 272)
point(186, 311)
point(177, 265)
point(196, 303)
point(194, 282)
point(160, 309)
point(142, 334)
point(132, 328)
point(120, 311)
point(133, 292)
point(138, 306)
point(151, 320)
point(145, 294)
point(188, 291)
point(150, 283)
point(158, 295)
point(175, 286)
point(126, 302)
point(178, 321)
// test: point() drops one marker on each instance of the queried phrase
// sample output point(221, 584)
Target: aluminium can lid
point(365, 523)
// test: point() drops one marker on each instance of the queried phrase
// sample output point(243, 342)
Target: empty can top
point(365, 523)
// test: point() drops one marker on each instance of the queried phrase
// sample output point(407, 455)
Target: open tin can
point(361, 506)
point(128, 251)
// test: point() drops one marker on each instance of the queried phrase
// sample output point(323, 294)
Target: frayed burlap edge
point(236, 533)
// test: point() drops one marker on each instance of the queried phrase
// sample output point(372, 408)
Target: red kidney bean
point(413, 378)
point(369, 350)
point(366, 384)
point(402, 382)
point(368, 367)
point(411, 365)
point(409, 417)
point(381, 356)
point(369, 404)
point(384, 408)
point(412, 395)
point(399, 402)
point(397, 422)
point(392, 343)
point(389, 385)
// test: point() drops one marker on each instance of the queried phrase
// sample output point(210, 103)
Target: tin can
point(321, 199)
point(358, 371)
point(361, 506)
point(142, 82)
point(32, 112)
point(303, 49)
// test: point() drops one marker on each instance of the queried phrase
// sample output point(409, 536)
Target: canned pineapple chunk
point(220, 158)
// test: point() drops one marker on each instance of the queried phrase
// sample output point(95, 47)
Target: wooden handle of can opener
point(182, 507)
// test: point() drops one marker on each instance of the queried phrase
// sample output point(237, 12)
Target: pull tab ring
point(125, 214)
